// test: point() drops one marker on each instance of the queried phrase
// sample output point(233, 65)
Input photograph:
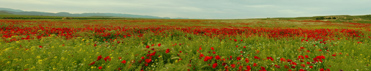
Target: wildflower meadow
point(183, 45)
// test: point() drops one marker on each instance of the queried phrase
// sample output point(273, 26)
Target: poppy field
point(184, 45)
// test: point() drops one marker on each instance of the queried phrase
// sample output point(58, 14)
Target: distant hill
point(329, 17)
point(4, 13)
point(66, 14)
point(333, 18)
point(8, 9)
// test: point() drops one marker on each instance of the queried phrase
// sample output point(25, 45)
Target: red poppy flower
point(207, 58)
point(95, 45)
point(123, 61)
point(147, 46)
point(167, 50)
point(107, 58)
point(223, 64)
point(289, 60)
point(201, 55)
point(256, 57)
point(318, 58)
point(255, 65)
point(233, 65)
point(248, 68)
point(321, 69)
point(215, 64)
point(100, 67)
point(247, 60)
point(152, 54)
point(99, 57)
point(270, 58)
point(277, 66)
point(238, 58)
point(217, 57)
point(92, 63)
point(300, 57)
point(293, 63)
point(262, 69)
point(148, 60)
point(159, 44)
point(283, 59)
point(303, 65)
point(212, 48)
point(287, 67)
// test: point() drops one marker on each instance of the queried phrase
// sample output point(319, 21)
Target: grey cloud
point(208, 9)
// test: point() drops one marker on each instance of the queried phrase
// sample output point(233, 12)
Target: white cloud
point(259, 6)
point(198, 8)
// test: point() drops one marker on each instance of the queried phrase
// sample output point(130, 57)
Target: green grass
point(77, 53)
point(57, 53)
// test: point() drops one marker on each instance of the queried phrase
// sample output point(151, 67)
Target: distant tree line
point(323, 18)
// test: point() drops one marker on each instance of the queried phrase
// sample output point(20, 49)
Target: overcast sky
point(199, 9)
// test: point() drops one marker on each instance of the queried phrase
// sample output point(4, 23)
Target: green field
point(133, 44)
